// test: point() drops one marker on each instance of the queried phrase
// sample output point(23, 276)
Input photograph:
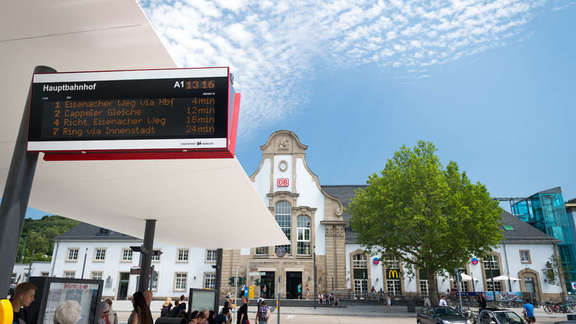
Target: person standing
point(113, 315)
point(242, 315)
point(166, 307)
point(481, 302)
point(263, 313)
point(307, 292)
point(528, 310)
point(22, 298)
point(443, 302)
point(141, 312)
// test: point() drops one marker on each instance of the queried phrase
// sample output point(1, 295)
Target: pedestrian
point(389, 303)
point(21, 299)
point(104, 312)
point(427, 302)
point(68, 313)
point(263, 313)
point(113, 314)
point(141, 312)
point(166, 307)
point(211, 317)
point(307, 292)
point(299, 289)
point(443, 302)
point(481, 302)
point(528, 310)
point(202, 317)
point(242, 315)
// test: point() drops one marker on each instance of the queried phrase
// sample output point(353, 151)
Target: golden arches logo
point(393, 274)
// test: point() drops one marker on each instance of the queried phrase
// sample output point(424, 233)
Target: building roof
point(345, 194)
point(549, 191)
point(87, 232)
point(515, 231)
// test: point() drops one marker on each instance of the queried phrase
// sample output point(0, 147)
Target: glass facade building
point(546, 211)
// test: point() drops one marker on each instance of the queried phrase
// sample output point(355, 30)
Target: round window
point(283, 166)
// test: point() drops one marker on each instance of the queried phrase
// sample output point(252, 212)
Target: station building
point(313, 217)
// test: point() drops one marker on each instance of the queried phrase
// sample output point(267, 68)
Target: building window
point(100, 255)
point(127, 255)
point(304, 235)
point(156, 256)
point(96, 275)
point(180, 279)
point(283, 215)
point(491, 270)
point(211, 256)
point(154, 280)
point(393, 275)
point(360, 272)
point(72, 255)
point(424, 289)
point(182, 255)
point(262, 250)
point(463, 284)
point(69, 274)
point(525, 257)
point(209, 280)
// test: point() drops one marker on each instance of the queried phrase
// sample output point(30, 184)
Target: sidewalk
point(124, 307)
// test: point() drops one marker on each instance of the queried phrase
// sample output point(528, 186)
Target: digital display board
point(175, 109)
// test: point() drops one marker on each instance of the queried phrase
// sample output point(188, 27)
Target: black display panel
point(187, 111)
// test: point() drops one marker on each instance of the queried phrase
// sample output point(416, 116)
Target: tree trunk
point(433, 287)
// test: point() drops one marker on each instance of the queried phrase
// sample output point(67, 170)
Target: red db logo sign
point(282, 182)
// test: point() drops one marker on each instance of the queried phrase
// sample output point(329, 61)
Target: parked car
point(499, 316)
point(440, 315)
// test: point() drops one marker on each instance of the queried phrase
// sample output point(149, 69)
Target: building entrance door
point(267, 285)
point(123, 285)
point(293, 285)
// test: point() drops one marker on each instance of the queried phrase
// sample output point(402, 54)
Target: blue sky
point(490, 83)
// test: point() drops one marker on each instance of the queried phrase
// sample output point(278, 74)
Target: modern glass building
point(546, 211)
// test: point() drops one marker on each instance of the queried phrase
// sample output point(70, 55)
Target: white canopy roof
point(205, 203)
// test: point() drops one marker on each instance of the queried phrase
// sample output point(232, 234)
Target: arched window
point(360, 273)
point(282, 213)
point(304, 235)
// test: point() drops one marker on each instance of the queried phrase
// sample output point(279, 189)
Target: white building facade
point(323, 250)
point(89, 252)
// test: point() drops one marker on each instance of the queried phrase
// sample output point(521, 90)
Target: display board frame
point(38, 307)
point(193, 305)
point(51, 91)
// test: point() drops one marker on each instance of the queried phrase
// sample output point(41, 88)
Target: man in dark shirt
point(242, 315)
point(23, 297)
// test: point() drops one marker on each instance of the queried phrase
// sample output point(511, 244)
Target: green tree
point(38, 236)
point(432, 217)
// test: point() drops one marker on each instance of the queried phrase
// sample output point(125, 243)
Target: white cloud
point(273, 46)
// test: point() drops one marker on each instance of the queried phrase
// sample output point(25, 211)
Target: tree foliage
point(38, 236)
point(432, 217)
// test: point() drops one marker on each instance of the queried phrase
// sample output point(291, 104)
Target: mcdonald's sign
point(392, 274)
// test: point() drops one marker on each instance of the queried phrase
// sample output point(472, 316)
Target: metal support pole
point(84, 264)
point(146, 255)
point(16, 196)
point(218, 282)
point(315, 272)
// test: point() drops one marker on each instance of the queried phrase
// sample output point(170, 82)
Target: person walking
point(263, 313)
point(528, 310)
point(141, 312)
point(242, 315)
point(23, 296)
point(389, 303)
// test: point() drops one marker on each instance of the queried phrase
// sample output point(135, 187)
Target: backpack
point(263, 312)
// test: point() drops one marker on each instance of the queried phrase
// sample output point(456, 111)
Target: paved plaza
point(337, 315)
